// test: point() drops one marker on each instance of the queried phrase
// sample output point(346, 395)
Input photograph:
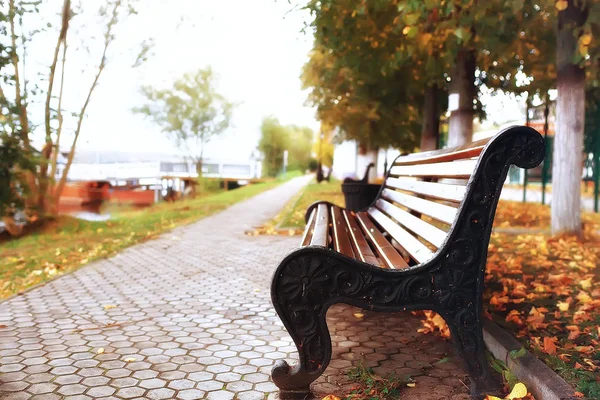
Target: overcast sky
point(256, 48)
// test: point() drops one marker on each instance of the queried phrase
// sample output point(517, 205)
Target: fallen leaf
point(359, 315)
point(130, 359)
point(549, 346)
point(518, 391)
point(330, 397)
point(411, 384)
point(100, 350)
point(109, 306)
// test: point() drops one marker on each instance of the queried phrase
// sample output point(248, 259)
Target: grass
point(370, 386)
point(292, 215)
point(66, 243)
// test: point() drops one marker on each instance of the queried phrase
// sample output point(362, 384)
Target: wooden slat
point(361, 247)
point(412, 245)
point(341, 234)
point(308, 231)
point(436, 190)
point(456, 153)
point(440, 212)
point(430, 233)
point(454, 169)
point(384, 248)
point(320, 234)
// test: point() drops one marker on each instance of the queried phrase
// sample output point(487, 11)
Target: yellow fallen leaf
point(586, 39)
point(99, 230)
point(563, 306)
point(490, 397)
point(518, 391)
point(359, 315)
point(561, 5)
point(586, 284)
point(100, 350)
point(257, 290)
point(84, 261)
point(330, 397)
point(109, 306)
point(411, 384)
point(130, 359)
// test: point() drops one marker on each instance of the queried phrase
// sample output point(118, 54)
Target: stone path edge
point(542, 382)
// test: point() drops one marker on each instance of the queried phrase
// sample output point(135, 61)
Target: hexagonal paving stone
point(68, 390)
point(40, 388)
point(95, 381)
point(220, 395)
point(129, 392)
point(191, 394)
point(209, 385)
point(124, 382)
point(152, 383)
point(101, 391)
point(181, 384)
point(162, 393)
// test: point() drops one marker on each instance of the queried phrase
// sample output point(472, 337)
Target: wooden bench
point(422, 244)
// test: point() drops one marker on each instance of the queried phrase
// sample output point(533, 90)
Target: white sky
point(256, 48)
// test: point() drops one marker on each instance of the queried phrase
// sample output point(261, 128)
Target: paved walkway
point(188, 316)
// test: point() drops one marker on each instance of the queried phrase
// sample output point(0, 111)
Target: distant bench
point(422, 244)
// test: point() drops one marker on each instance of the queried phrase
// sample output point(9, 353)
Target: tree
point(21, 90)
point(276, 138)
point(576, 20)
point(192, 112)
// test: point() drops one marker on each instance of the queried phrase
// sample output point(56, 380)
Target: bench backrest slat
point(321, 231)
point(452, 169)
point(411, 244)
point(390, 256)
point(361, 247)
point(430, 233)
point(470, 150)
point(440, 212)
point(442, 191)
point(341, 233)
point(308, 230)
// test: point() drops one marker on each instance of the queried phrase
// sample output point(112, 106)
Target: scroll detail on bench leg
point(467, 334)
point(301, 303)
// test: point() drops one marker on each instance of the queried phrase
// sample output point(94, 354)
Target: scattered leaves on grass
point(546, 291)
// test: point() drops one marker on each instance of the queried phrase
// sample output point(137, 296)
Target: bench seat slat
point(453, 169)
point(441, 191)
point(440, 212)
point(430, 233)
point(308, 231)
point(361, 247)
point(321, 230)
point(411, 244)
point(384, 248)
point(341, 234)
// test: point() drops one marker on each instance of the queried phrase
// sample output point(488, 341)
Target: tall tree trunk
point(460, 130)
point(567, 162)
point(431, 119)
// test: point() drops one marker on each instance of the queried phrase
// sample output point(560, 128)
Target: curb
point(541, 381)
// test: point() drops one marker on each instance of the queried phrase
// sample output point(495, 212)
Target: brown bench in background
point(422, 244)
